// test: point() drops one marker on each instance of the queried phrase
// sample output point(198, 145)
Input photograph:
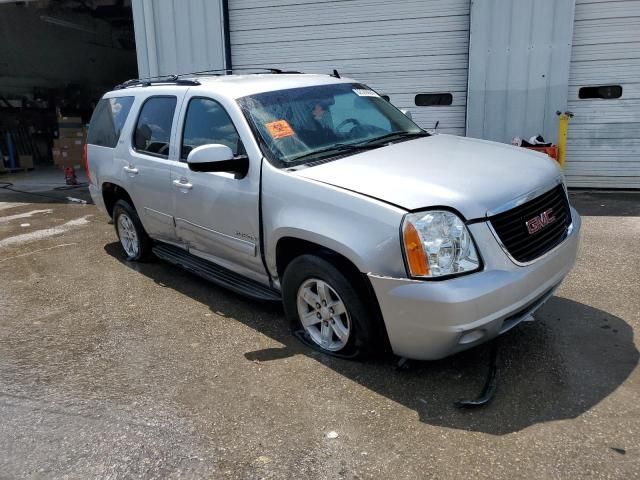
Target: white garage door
point(604, 136)
point(398, 48)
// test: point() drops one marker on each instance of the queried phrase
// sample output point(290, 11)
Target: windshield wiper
point(393, 136)
point(338, 147)
point(365, 145)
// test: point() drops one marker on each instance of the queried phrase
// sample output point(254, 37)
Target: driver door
point(216, 214)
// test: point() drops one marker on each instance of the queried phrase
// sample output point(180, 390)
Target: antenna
point(335, 73)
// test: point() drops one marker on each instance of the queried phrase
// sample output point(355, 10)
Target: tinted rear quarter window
point(153, 129)
point(107, 121)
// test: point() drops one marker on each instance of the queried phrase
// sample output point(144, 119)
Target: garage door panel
point(427, 83)
point(605, 111)
point(400, 49)
point(607, 9)
point(588, 53)
point(593, 32)
point(374, 46)
point(348, 12)
point(612, 70)
point(611, 131)
point(419, 64)
point(612, 182)
point(355, 31)
point(604, 136)
point(625, 149)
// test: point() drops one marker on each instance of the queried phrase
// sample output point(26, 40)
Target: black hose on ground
point(9, 186)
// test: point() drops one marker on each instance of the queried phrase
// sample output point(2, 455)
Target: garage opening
point(57, 58)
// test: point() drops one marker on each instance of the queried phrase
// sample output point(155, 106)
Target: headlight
point(437, 243)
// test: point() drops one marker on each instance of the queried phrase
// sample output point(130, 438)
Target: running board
point(215, 273)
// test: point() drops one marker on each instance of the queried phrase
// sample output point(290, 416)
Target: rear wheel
point(326, 309)
point(134, 240)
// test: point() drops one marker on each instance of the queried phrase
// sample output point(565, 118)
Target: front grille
point(511, 226)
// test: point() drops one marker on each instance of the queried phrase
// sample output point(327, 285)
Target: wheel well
point(289, 248)
point(111, 193)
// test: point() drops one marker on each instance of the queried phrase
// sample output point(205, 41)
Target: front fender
point(364, 230)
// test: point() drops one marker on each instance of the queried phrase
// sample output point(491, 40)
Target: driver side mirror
point(216, 157)
point(407, 113)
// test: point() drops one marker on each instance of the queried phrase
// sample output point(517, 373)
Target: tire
point(134, 241)
point(323, 328)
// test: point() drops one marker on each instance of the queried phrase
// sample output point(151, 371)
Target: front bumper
point(427, 320)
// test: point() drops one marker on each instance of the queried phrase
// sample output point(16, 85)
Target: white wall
point(40, 54)
point(518, 67)
point(178, 36)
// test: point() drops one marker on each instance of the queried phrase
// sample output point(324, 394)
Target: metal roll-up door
point(400, 49)
point(603, 148)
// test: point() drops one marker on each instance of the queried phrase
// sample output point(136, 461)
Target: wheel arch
point(111, 193)
point(290, 247)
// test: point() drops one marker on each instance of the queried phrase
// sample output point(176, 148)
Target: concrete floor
point(117, 370)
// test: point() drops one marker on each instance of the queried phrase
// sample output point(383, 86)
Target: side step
point(215, 273)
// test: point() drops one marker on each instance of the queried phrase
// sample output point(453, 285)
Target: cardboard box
point(25, 161)
point(69, 143)
point(66, 158)
point(71, 127)
point(71, 132)
point(68, 151)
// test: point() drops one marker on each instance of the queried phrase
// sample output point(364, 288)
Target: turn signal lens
point(416, 258)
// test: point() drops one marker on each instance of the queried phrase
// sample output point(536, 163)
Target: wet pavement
point(116, 370)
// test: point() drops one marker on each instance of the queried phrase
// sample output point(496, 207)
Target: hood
point(473, 176)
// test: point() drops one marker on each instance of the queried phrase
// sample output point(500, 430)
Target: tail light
point(85, 158)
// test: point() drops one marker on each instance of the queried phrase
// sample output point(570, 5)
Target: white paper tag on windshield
point(363, 92)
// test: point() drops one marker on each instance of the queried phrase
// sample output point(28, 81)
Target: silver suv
point(315, 190)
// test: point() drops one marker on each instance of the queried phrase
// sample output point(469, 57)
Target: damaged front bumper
point(428, 320)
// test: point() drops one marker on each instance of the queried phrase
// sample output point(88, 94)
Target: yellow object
point(415, 253)
point(563, 128)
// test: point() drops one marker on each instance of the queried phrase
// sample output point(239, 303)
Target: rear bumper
point(98, 200)
point(427, 320)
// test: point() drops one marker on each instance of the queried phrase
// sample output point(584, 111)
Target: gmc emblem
point(538, 222)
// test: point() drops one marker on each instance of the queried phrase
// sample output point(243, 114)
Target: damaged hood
point(473, 176)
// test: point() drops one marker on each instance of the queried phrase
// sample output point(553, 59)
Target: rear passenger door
point(151, 152)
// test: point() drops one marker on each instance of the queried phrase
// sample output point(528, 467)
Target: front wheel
point(133, 238)
point(326, 309)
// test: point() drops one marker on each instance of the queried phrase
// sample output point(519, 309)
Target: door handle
point(129, 169)
point(182, 184)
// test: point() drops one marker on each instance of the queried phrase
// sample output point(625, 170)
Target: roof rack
point(226, 71)
point(162, 80)
point(177, 80)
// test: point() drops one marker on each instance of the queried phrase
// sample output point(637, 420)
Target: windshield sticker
point(363, 92)
point(279, 129)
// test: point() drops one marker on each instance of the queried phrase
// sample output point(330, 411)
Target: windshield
point(303, 125)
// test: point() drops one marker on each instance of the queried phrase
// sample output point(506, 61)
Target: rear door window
point(153, 128)
point(107, 121)
point(207, 122)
